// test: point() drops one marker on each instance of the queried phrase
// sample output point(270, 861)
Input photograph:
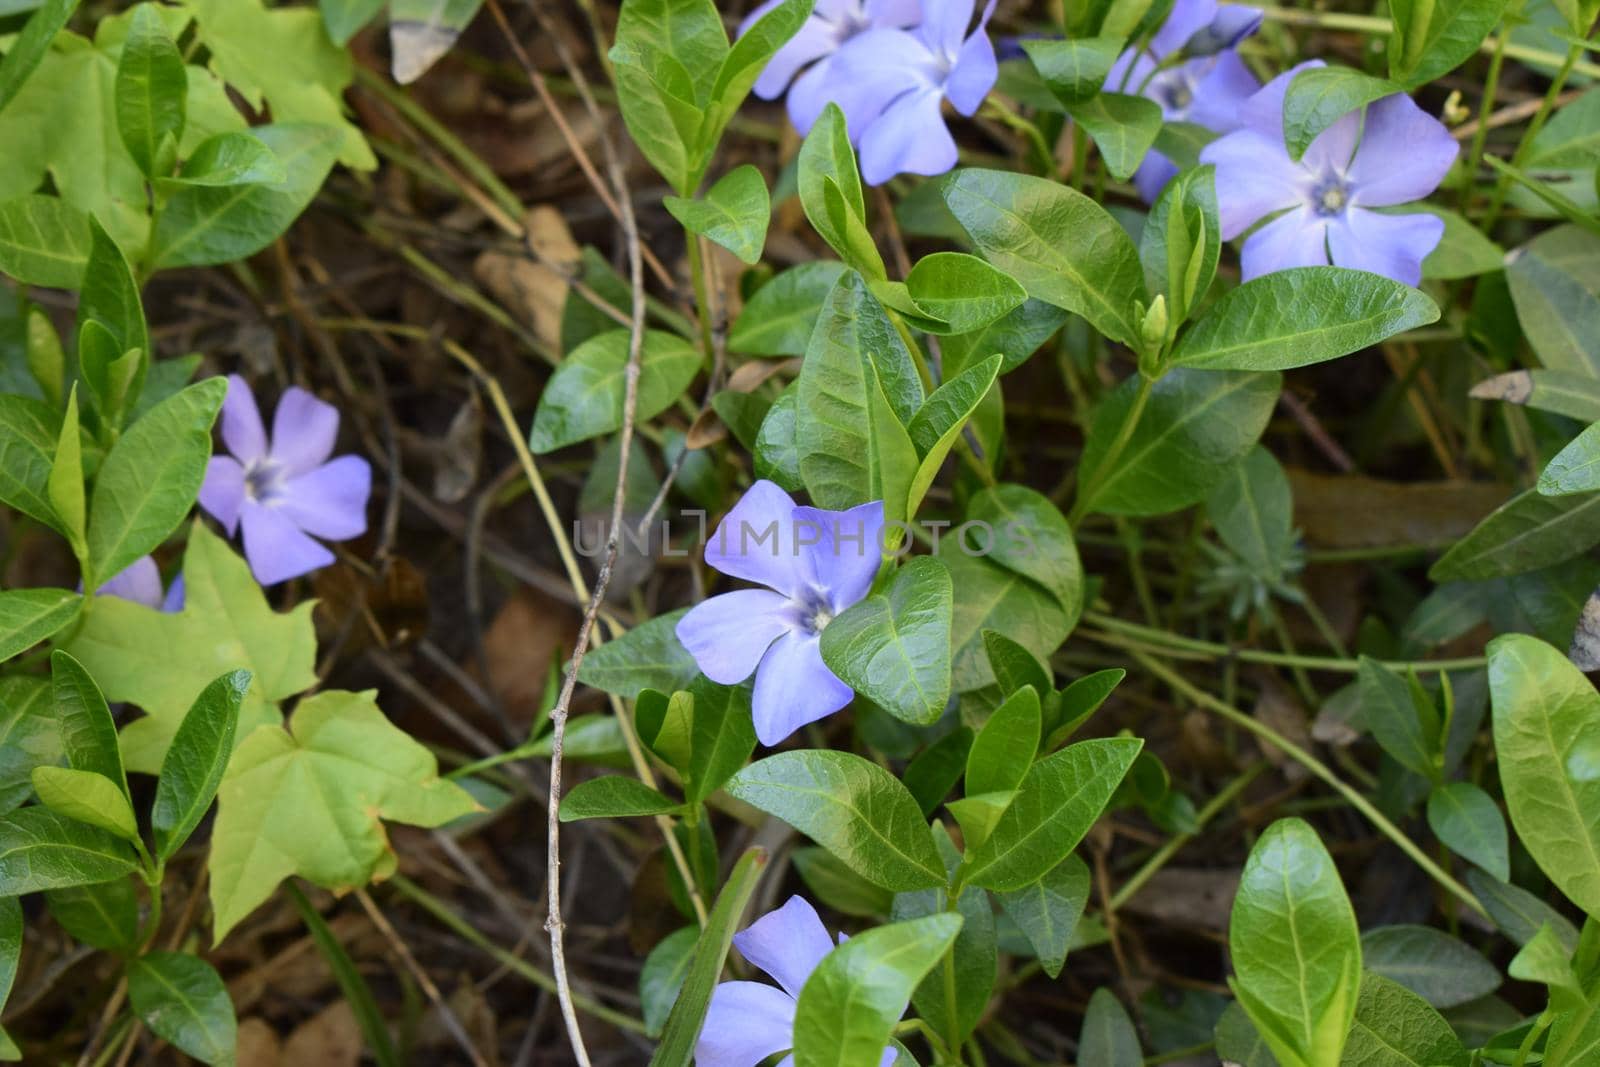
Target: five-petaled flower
point(285, 491)
point(140, 582)
point(747, 1022)
point(1205, 89)
point(1395, 155)
point(815, 564)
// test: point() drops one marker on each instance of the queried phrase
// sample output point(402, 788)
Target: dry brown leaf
point(330, 1038)
point(1354, 511)
point(258, 1044)
point(1278, 708)
point(1187, 897)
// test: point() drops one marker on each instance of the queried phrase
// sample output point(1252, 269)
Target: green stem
point(1108, 463)
point(1546, 106)
point(1266, 733)
point(702, 301)
point(1480, 136)
point(1170, 849)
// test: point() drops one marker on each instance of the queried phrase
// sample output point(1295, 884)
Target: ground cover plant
point(819, 533)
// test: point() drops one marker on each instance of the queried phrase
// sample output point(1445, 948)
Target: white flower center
point(1330, 195)
point(263, 481)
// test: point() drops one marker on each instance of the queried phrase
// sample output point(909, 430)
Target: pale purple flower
point(140, 582)
point(284, 491)
point(814, 564)
point(747, 1022)
point(891, 85)
point(807, 58)
point(1396, 155)
point(1206, 89)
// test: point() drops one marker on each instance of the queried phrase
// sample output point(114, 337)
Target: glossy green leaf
point(41, 849)
point(1571, 138)
point(1296, 950)
point(1547, 740)
point(1518, 913)
point(662, 976)
point(1194, 428)
point(1546, 961)
point(1015, 336)
point(1079, 701)
point(649, 656)
point(1292, 318)
point(87, 797)
point(1394, 1027)
point(978, 813)
point(1407, 729)
point(839, 216)
point(1004, 749)
point(689, 1012)
point(1062, 246)
point(1253, 513)
point(29, 736)
point(344, 17)
point(65, 485)
point(229, 159)
point(1058, 801)
point(1124, 127)
point(1553, 284)
point(753, 49)
point(584, 397)
point(721, 737)
point(1031, 538)
point(103, 916)
point(110, 299)
point(28, 433)
point(1319, 96)
point(1074, 70)
point(1014, 666)
point(1181, 241)
point(777, 453)
point(28, 49)
point(88, 734)
point(12, 927)
point(614, 796)
point(936, 769)
point(1108, 1038)
point(195, 761)
point(996, 598)
point(962, 290)
point(850, 806)
point(1469, 824)
point(422, 31)
point(152, 92)
point(953, 996)
point(848, 1007)
point(734, 213)
point(837, 886)
point(1463, 251)
point(940, 421)
point(1433, 37)
point(151, 477)
point(43, 241)
point(894, 647)
point(656, 95)
point(779, 318)
point(1526, 533)
point(183, 1000)
point(1440, 969)
point(28, 616)
point(1048, 911)
point(1576, 468)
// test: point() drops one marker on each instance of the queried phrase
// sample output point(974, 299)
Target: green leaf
point(103, 916)
point(1406, 728)
point(996, 598)
point(1547, 741)
point(1433, 37)
point(226, 624)
point(281, 60)
point(43, 241)
point(962, 290)
point(151, 477)
point(1304, 315)
point(1440, 969)
point(734, 213)
point(953, 996)
point(1545, 961)
point(857, 388)
point(203, 225)
point(1319, 96)
point(41, 849)
point(940, 421)
point(1463, 251)
point(720, 739)
point(1075, 70)
point(1394, 1027)
point(1015, 667)
point(1296, 950)
point(28, 49)
point(152, 93)
point(87, 797)
point(656, 94)
point(12, 927)
point(894, 647)
point(1108, 1038)
point(614, 796)
point(232, 159)
point(1553, 285)
point(310, 800)
point(1238, 1040)
point(29, 736)
point(934, 772)
point(1058, 801)
point(649, 656)
point(1527, 532)
point(1080, 700)
point(584, 397)
point(1048, 911)
point(1571, 139)
point(848, 1007)
point(195, 761)
point(689, 1012)
point(1004, 749)
point(840, 218)
point(837, 886)
point(1194, 428)
point(1576, 468)
point(662, 976)
point(1123, 126)
point(66, 479)
point(1181, 241)
point(182, 999)
point(1016, 336)
point(1518, 913)
point(1063, 247)
point(88, 733)
point(110, 299)
point(28, 432)
point(1468, 822)
point(1032, 538)
point(778, 320)
point(422, 31)
point(850, 806)
point(344, 17)
point(1253, 513)
point(777, 456)
point(28, 616)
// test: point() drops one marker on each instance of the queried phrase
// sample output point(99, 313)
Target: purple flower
point(285, 490)
point(1206, 90)
point(748, 1021)
point(1397, 155)
point(810, 52)
point(814, 564)
point(140, 582)
point(891, 84)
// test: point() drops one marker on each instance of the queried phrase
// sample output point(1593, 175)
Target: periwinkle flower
point(285, 491)
point(140, 582)
point(1396, 154)
point(814, 564)
point(1206, 89)
point(891, 85)
point(807, 58)
point(746, 1022)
